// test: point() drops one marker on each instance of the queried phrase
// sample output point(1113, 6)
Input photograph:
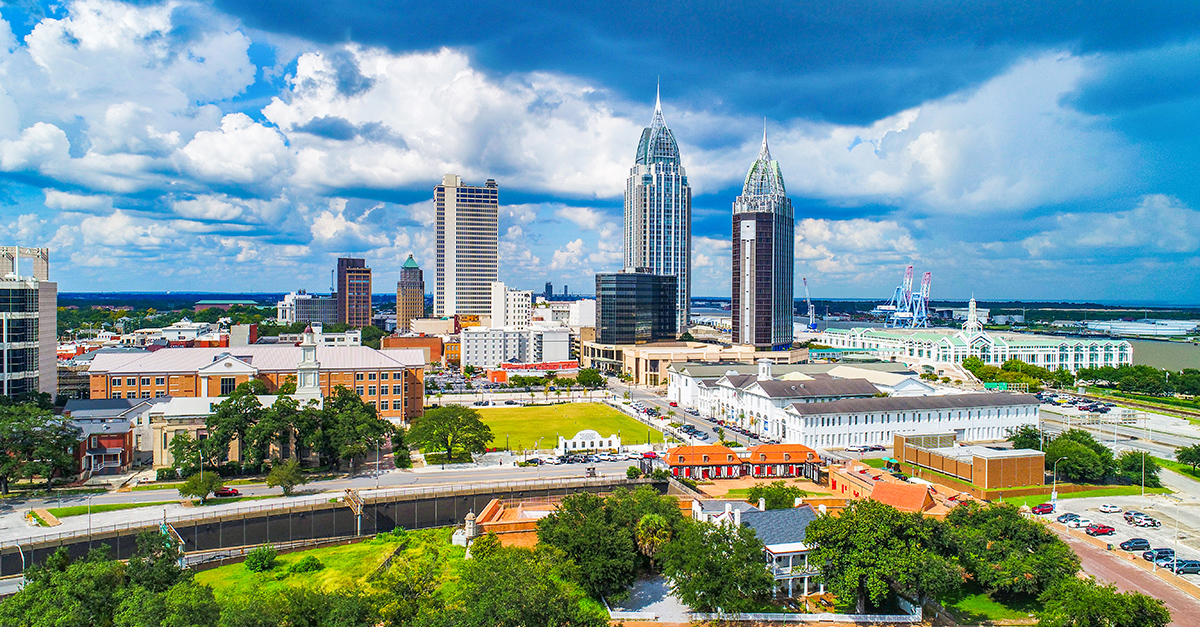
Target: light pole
point(1054, 490)
point(22, 552)
point(89, 501)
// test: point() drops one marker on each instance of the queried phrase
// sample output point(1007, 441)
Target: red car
point(223, 491)
point(1100, 530)
point(1044, 508)
point(673, 404)
point(649, 455)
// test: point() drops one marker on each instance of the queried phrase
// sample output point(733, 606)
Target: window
point(383, 405)
point(370, 376)
point(383, 376)
point(397, 390)
point(228, 384)
point(358, 390)
point(145, 380)
point(131, 381)
point(146, 394)
point(131, 395)
point(371, 391)
point(116, 382)
point(160, 380)
point(95, 441)
point(358, 376)
point(115, 395)
point(159, 394)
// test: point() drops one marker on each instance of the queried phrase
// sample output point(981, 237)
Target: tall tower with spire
point(658, 213)
point(763, 260)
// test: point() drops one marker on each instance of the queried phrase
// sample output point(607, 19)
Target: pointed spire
point(764, 152)
point(657, 97)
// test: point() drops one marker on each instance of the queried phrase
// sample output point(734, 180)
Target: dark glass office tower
point(635, 307)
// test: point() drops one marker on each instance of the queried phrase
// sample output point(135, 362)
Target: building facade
point(392, 381)
point(304, 307)
point(933, 348)
point(763, 259)
point(353, 292)
point(483, 348)
point(467, 240)
point(410, 294)
point(636, 307)
point(510, 307)
point(658, 214)
point(28, 323)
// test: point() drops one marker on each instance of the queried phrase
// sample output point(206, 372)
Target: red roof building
point(782, 460)
point(704, 462)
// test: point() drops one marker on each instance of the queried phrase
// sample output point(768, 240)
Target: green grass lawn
point(345, 566)
point(76, 510)
point(1124, 490)
point(974, 606)
point(1183, 469)
point(523, 426)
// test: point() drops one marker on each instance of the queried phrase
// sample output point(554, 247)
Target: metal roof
point(264, 357)
point(902, 403)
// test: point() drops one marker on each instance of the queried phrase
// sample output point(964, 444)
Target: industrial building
point(987, 468)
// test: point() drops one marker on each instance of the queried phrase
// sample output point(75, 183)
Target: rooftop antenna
point(658, 95)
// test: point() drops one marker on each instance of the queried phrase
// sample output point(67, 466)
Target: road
point(651, 399)
point(1156, 443)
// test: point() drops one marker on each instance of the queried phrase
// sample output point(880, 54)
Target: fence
point(915, 616)
point(310, 518)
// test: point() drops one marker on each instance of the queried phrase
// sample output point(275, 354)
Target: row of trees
point(344, 429)
point(498, 587)
point(1144, 379)
point(1082, 459)
point(872, 549)
point(34, 443)
point(1017, 371)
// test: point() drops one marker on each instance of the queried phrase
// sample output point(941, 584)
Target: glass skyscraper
point(763, 262)
point(658, 213)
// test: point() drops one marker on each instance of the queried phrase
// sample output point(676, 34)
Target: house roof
point(780, 526)
point(264, 357)
point(706, 369)
point(902, 403)
point(101, 427)
point(890, 379)
point(694, 455)
point(906, 497)
point(775, 454)
point(817, 388)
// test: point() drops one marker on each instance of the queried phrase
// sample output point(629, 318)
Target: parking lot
point(1160, 507)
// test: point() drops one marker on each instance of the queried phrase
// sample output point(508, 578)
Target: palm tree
point(652, 533)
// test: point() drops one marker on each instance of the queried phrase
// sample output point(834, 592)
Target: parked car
point(1044, 508)
point(1131, 514)
point(224, 491)
point(1066, 518)
point(650, 455)
point(1135, 544)
point(1147, 521)
point(1153, 555)
point(1100, 530)
point(1167, 562)
point(1187, 567)
point(1079, 522)
point(1109, 509)
point(673, 404)
point(856, 448)
point(877, 447)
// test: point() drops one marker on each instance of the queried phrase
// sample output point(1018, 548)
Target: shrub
point(660, 475)
point(261, 559)
point(166, 474)
point(308, 564)
point(633, 472)
point(229, 469)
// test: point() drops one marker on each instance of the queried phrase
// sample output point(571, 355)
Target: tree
point(589, 378)
point(871, 547)
point(1076, 602)
point(411, 586)
point(449, 429)
point(1007, 553)
point(201, 485)
point(717, 568)
point(185, 604)
point(234, 416)
point(653, 533)
point(1026, 436)
point(154, 566)
point(603, 550)
point(274, 427)
point(1136, 466)
point(35, 442)
point(352, 426)
point(1189, 455)
point(516, 587)
point(63, 593)
point(778, 495)
point(287, 476)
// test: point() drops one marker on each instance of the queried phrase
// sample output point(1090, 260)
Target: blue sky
point(1035, 150)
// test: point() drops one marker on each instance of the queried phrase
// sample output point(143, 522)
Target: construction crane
point(906, 309)
point(920, 306)
point(812, 315)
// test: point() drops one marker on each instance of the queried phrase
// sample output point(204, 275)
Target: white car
point(1079, 522)
point(856, 448)
point(1110, 509)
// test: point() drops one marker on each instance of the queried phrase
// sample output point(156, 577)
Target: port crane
point(812, 316)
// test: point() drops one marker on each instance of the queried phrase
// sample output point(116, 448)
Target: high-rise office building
point(763, 262)
point(304, 307)
point(28, 323)
point(549, 293)
point(511, 308)
point(467, 239)
point(635, 307)
point(658, 213)
point(410, 294)
point(353, 292)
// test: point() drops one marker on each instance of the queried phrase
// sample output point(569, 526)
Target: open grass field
point(524, 426)
point(972, 606)
point(345, 566)
point(1124, 490)
point(78, 510)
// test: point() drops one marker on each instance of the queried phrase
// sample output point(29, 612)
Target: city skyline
point(1030, 151)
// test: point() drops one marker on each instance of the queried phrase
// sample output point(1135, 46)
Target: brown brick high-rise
point(353, 292)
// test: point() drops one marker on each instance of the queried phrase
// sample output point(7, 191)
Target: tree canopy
point(1073, 602)
point(451, 429)
point(35, 443)
point(717, 568)
point(775, 495)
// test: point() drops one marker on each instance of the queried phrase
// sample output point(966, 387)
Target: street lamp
point(1054, 490)
point(22, 552)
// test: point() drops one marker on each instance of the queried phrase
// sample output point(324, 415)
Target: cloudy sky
point(1035, 150)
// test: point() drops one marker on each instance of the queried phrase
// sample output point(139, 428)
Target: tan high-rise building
point(467, 240)
point(410, 294)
